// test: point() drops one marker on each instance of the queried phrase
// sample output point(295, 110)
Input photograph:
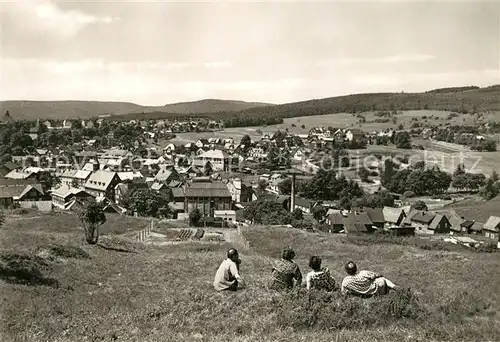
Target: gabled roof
point(157, 186)
point(207, 189)
point(68, 174)
point(454, 219)
point(214, 154)
point(336, 219)
point(303, 202)
point(423, 217)
point(37, 187)
point(18, 175)
point(477, 227)
point(493, 224)
point(10, 165)
point(376, 215)
point(100, 180)
point(81, 174)
point(392, 215)
point(359, 218)
point(64, 191)
point(11, 191)
point(436, 220)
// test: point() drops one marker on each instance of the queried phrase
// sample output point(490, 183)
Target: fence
point(143, 234)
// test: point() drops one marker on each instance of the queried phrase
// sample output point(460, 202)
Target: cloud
point(410, 58)
point(44, 16)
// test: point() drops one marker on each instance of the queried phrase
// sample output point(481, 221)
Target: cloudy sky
point(154, 53)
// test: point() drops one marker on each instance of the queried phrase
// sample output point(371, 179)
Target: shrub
point(24, 269)
point(68, 252)
point(300, 309)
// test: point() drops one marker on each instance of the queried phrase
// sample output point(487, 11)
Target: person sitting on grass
point(285, 271)
point(364, 283)
point(228, 276)
point(319, 278)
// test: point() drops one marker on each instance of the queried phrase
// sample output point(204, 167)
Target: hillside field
point(447, 155)
point(154, 293)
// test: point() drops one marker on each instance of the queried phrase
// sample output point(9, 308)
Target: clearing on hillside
point(165, 292)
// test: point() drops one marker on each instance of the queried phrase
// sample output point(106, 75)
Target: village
point(137, 168)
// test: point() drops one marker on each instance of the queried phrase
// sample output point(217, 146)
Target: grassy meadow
point(153, 293)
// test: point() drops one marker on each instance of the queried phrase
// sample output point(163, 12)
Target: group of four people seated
point(286, 274)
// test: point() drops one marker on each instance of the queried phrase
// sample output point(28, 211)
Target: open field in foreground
point(165, 293)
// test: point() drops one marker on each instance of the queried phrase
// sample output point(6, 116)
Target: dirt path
point(232, 236)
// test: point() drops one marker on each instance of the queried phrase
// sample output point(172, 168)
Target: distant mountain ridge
point(30, 110)
point(468, 99)
point(460, 99)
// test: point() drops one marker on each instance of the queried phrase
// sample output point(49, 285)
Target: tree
point(494, 176)
point(194, 217)
point(285, 186)
point(147, 202)
point(402, 140)
point(92, 217)
point(490, 190)
point(247, 141)
point(74, 183)
point(261, 187)
point(297, 214)
point(319, 212)
point(420, 205)
point(303, 126)
point(364, 174)
point(208, 168)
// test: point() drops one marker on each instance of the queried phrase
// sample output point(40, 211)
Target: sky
point(159, 52)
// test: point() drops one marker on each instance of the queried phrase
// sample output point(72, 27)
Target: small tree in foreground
point(195, 217)
point(92, 217)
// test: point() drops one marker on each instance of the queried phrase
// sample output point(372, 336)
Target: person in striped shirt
point(365, 283)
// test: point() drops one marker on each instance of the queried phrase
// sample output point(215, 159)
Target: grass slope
point(165, 293)
point(30, 110)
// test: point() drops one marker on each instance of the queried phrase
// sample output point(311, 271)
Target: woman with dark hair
point(319, 278)
point(285, 271)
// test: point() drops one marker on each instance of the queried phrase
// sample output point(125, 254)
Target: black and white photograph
point(249, 171)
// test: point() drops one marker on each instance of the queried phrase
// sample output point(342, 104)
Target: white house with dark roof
point(219, 160)
point(491, 228)
point(102, 184)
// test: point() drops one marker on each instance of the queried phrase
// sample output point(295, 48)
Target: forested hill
point(462, 100)
point(31, 110)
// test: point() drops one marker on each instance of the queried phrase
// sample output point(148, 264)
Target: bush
point(24, 269)
point(300, 309)
point(68, 252)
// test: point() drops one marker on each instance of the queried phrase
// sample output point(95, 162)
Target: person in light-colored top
point(365, 283)
point(319, 278)
point(228, 276)
point(285, 271)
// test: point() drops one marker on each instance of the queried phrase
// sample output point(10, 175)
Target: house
point(64, 196)
point(428, 222)
point(476, 228)
point(491, 228)
point(166, 175)
point(358, 222)
point(455, 221)
point(207, 196)
point(335, 221)
point(376, 215)
point(219, 160)
point(12, 190)
point(226, 215)
point(274, 183)
point(393, 216)
point(102, 184)
point(20, 174)
point(303, 204)
point(240, 192)
point(67, 176)
point(7, 167)
point(354, 134)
